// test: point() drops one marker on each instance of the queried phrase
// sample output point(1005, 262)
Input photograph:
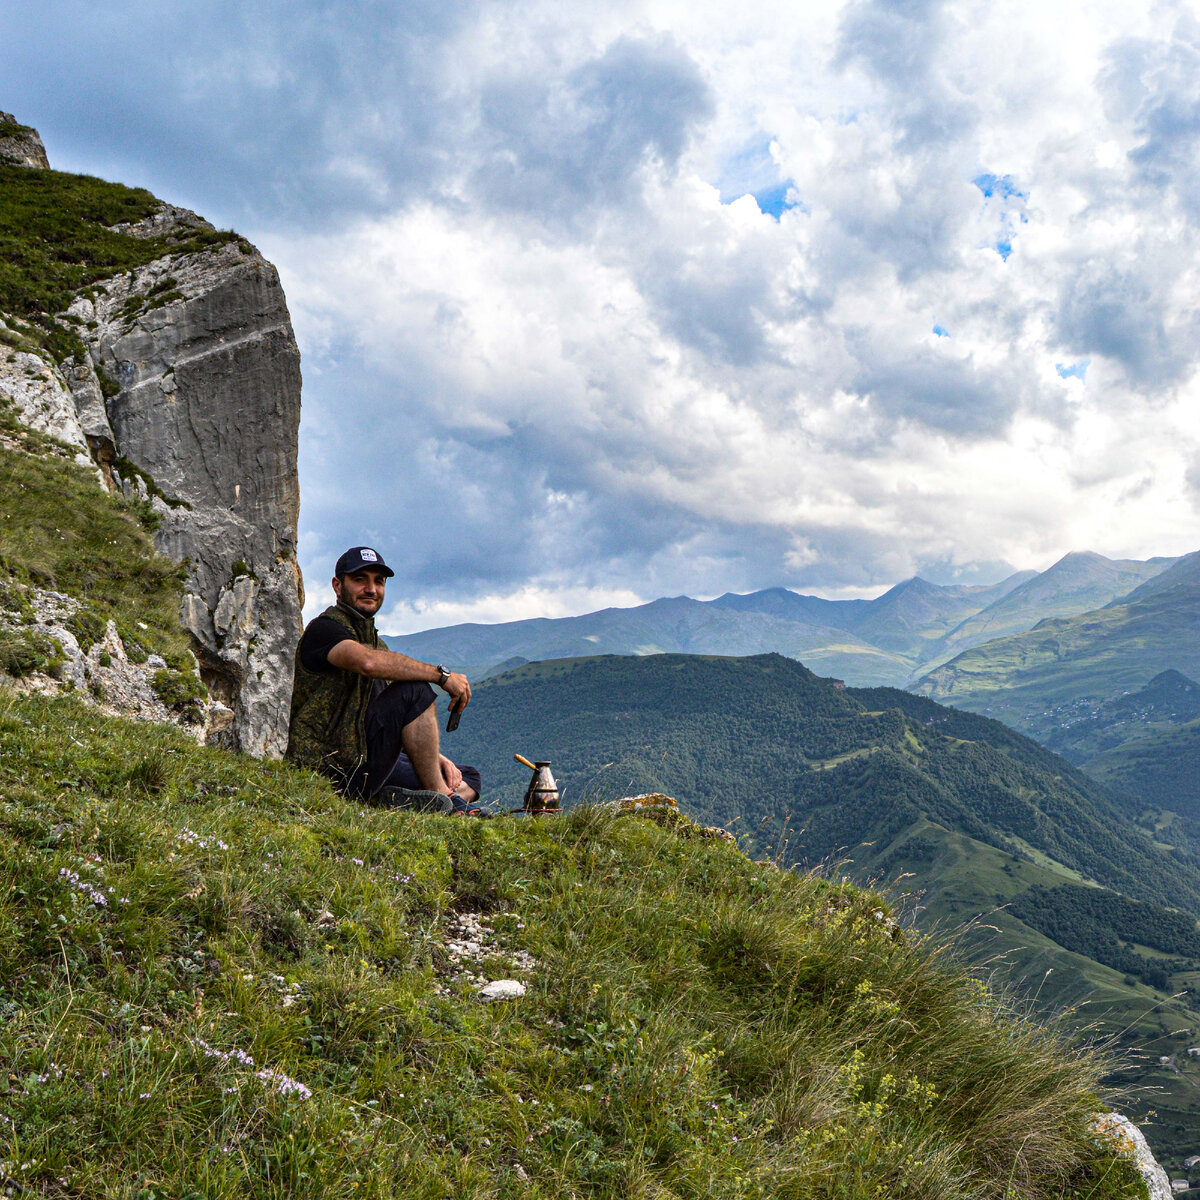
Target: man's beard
point(346, 602)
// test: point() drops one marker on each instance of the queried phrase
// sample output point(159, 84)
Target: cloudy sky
point(650, 298)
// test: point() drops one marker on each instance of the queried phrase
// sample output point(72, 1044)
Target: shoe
point(414, 800)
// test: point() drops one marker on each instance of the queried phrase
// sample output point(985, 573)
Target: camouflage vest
point(329, 708)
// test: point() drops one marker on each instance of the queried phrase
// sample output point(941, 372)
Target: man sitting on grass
point(366, 716)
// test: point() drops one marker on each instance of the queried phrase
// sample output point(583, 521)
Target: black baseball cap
point(357, 558)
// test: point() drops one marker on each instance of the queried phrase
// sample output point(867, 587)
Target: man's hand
point(451, 774)
point(458, 689)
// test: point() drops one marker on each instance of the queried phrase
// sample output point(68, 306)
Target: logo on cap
point(368, 555)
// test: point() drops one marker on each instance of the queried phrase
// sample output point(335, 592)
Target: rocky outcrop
point(189, 395)
point(1125, 1138)
point(42, 398)
point(19, 144)
point(204, 425)
point(137, 685)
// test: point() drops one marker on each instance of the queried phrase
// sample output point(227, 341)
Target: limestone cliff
point(187, 391)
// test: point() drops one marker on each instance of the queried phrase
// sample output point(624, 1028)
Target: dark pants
point(394, 707)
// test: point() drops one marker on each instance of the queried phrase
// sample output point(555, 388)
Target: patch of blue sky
point(1006, 199)
point(999, 185)
point(774, 201)
point(1073, 370)
point(750, 171)
point(941, 331)
point(754, 172)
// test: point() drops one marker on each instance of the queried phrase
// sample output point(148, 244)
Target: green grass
point(696, 1025)
point(59, 530)
point(55, 242)
point(13, 128)
point(964, 885)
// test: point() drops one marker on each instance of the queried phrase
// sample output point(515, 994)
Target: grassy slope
point(1063, 670)
point(55, 241)
point(740, 740)
point(60, 531)
point(697, 1024)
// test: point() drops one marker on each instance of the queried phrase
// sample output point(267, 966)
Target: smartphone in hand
point(453, 720)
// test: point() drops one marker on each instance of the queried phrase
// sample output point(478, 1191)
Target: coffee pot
point(541, 797)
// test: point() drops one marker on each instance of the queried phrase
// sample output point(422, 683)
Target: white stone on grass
point(1119, 1133)
point(501, 989)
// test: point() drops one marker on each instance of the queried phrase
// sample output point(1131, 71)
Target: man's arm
point(349, 655)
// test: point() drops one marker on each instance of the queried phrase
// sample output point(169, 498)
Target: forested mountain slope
point(849, 764)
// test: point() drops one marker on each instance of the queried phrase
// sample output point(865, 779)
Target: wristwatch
point(443, 675)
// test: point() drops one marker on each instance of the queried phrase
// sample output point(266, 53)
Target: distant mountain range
point(1065, 671)
point(980, 823)
point(889, 640)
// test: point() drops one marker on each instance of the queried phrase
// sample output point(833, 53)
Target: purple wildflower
point(94, 894)
point(284, 1084)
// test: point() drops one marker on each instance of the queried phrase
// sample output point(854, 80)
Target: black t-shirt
point(322, 634)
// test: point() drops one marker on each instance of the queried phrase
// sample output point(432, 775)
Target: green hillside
point(963, 812)
point(853, 764)
point(1077, 583)
point(1062, 671)
point(1158, 772)
point(1169, 700)
point(218, 979)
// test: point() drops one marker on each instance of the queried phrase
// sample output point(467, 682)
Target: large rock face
point(203, 423)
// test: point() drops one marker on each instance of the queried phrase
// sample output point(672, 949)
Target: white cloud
point(549, 366)
point(517, 605)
